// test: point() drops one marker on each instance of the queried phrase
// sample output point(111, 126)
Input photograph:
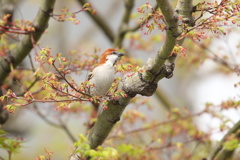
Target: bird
point(103, 74)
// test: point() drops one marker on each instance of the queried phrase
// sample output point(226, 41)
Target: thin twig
point(44, 118)
point(148, 18)
point(70, 85)
point(4, 30)
point(100, 21)
point(12, 37)
point(124, 24)
point(65, 128)
point(32, 84)
point(31, 62)
point(35, 50)
point(219, 60)
point(65, 93)
point(48, 101)
point(81, 10)
point(158, 124)
point(208, 20)
point(29, 87)
point(62, 125)
point(173, 144)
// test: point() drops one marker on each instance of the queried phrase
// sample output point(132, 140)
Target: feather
point(102, 76)
point(90, 75)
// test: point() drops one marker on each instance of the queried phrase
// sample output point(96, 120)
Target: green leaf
point(231, 144)
point(2, 132)
point(129, 150)
point(11, 145)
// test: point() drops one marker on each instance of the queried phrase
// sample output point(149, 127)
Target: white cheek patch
point(112, 59)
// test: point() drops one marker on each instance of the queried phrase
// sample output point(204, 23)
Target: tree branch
point(221, 61)
point(168, 105)
point(135, 84)
point(100, 22)
point(143, 83)
point(172, 33)
point(60, 126)
point(7, 7)
point(153, 126)
point(3, 113)
point(23, 48)
point(185, 9)
point(124, 25)
point(135, 28)
point(219, 147)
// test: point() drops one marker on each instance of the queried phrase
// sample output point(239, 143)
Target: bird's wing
point(90, 75)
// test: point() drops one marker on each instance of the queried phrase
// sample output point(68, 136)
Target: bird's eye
point(114, 52)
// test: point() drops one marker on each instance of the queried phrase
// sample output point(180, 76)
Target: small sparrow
point(102, 75)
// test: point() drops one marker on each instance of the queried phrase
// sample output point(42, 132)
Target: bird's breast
point(103, 77)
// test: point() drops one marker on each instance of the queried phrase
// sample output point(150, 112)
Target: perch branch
point(143, 83)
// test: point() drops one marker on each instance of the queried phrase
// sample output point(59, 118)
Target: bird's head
point(110, 57)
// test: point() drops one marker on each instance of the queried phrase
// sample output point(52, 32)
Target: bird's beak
point(120, 54)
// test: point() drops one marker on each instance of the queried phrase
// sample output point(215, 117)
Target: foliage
point(51, 80)
point(100, 153)
point(11, 145)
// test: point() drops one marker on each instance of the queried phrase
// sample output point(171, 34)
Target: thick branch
point(144, 83)
point(135, 84)
point(185, 9)
point(23, 48)
point(219, 147)
point(3, 113)
point(7, 7)
point(101, 23)
point(106, 121)
point(171, 19)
